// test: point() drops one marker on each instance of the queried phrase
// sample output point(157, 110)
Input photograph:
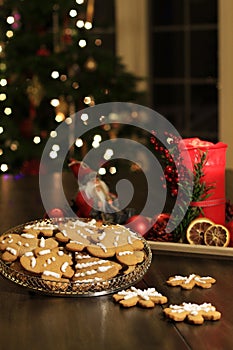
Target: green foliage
point(200, 192)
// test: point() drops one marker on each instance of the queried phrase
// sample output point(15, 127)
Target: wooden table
point(33, 321)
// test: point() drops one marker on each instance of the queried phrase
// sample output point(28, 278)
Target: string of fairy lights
point(78, 24)
point(13, 23)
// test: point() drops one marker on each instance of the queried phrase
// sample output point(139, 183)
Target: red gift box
point(214, 175)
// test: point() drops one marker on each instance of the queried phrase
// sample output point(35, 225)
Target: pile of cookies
point(74, 251)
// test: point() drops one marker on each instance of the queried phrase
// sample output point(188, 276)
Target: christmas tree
point(52, 64)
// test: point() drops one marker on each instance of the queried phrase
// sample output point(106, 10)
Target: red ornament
point(158, 229)
point(139, 224)
point(55, 213)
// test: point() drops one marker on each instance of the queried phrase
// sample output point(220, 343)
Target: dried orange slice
point(196, 229)
point(217, 235)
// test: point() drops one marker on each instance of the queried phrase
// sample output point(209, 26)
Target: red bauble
point(139, 224)
point(55, 213)
point(229, 226)
point(161, 220)
point(158, 229)
point(159, 223)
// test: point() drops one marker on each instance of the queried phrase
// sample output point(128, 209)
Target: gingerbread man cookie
point(45, 228)
point(146, 298)
point(188, 282)
point(48, 262)
point(15, 245)
point(194, 313)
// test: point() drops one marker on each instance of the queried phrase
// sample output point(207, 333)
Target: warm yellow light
point(95, 144)
point(55, 102)
point(87, 100)
point(84, 117)
point(68, 121)
point(91, 64)
point(1, 129)
point(9, 33)
point(7, 110)
point(53, 134)
point(112, 170)
point(1, 151)
point(97, 138)
point(107, 127)
point(108, 154)
point(55, 74)
point(75, 85)
point(3, 82)
point(2, 97)
point(82, 43)
point(79, 142)
point(10, 20)
point(60, 117)
point(73, 13)
point(63, 77)
point(98, 42)
point(56, 148)
point(14, 146)
point(4, 167)
point(53, 154)
point(36, 140)
point(102, 171)
point(3, 66)
point(88, 25)
point(80, 23)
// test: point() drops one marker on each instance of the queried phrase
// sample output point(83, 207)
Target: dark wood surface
point(32, 321)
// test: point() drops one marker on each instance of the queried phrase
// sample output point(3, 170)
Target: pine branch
point(200, 192)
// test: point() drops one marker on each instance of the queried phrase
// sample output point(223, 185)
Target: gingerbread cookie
point(130, 257)
point(146, 298)
point(15, 245)
point(101, 251)
point(62, 237)
point(51, 263)
point(194, 313)
point(190, 281)
point(45, 246)
point(79, 230)
point(119, 236)
point(88, 267)
point(75, 246)
point(45, 228)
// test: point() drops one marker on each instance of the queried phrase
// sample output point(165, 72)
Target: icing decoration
point(188, 282)
point(146, 298)
point(44, 252)
point(12, 250)
point(51, 273)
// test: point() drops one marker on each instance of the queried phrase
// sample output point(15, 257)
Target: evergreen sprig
point(200, 192)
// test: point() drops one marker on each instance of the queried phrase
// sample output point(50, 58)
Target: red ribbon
point(208, 203)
